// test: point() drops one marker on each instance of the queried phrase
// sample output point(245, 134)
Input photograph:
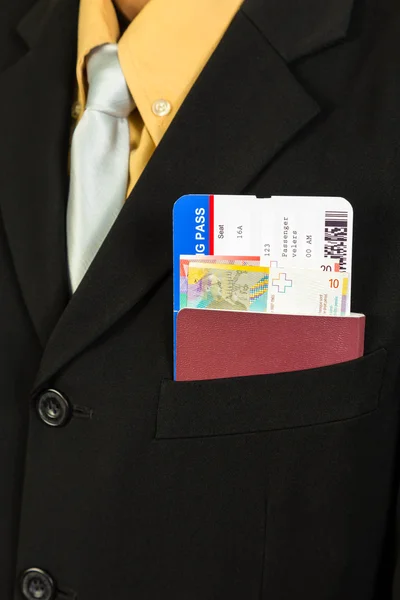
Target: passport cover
point(213, 344)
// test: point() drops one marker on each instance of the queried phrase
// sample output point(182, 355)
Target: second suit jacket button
point(36, 584)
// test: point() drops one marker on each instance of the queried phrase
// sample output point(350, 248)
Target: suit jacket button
point(36, 584)
point(53, 408)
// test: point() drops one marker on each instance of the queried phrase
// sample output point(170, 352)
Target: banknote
point(327, 264)
point(223, 260)
point(308, 292)
point(289, 290)
point(227, 287)
point(185, 259)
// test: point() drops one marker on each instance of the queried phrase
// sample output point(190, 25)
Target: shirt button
point(161, 108)
point(37, 585)
point(53, 408)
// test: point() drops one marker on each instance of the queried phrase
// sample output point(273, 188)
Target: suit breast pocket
point(270, 402)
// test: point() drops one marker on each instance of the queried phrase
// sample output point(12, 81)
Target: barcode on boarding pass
point(336, 237)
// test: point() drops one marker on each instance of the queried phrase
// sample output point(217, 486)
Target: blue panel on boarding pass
point(191, 235)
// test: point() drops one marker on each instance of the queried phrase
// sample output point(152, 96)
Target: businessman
point(116, 482)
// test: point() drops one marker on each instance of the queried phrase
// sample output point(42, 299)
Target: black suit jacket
point(270, 487)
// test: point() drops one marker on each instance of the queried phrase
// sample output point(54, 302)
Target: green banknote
point(227, 287)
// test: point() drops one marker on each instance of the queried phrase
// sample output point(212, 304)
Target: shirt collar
point(162, 52)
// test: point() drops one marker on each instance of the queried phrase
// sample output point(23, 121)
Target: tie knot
point(108, 91)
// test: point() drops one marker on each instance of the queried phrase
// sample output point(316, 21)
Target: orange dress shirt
point(162, 52)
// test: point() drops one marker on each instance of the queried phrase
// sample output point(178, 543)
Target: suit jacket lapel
point(297, 29)
point(243, 109)
point(33, 168)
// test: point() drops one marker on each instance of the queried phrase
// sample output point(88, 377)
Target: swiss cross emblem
point(282, 283)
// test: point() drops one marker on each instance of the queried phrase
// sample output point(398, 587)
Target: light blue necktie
point(99, 161)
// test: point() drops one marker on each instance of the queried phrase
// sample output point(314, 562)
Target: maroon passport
point(212, 344)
